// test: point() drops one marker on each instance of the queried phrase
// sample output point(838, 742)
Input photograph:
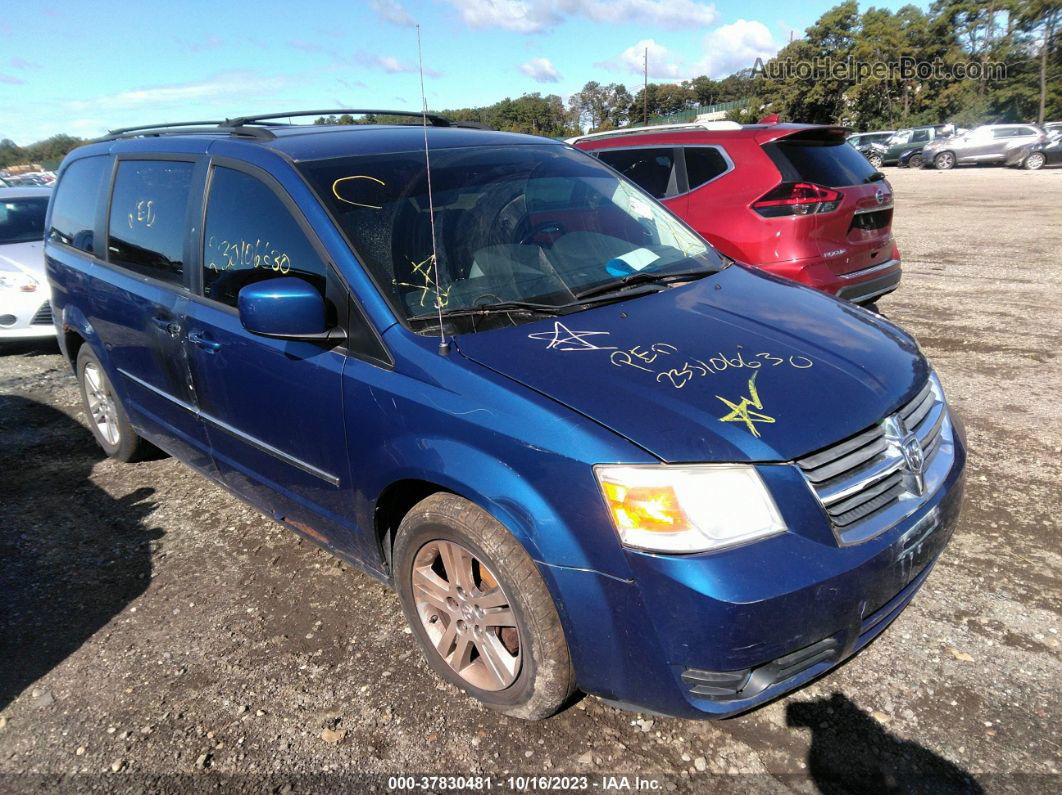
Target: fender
point(560, 529)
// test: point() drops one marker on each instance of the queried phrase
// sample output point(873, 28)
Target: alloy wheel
point(1034, 161)
point(102, 407)
point(466, 615)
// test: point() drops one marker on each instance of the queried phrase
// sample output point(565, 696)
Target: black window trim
point(338, 291)
point(183, 286)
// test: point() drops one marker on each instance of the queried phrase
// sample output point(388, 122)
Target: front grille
point(860, 477)
point(875, 219)
point(43, 316)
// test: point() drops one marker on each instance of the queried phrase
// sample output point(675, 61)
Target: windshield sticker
point(342, 180)
point(563, 338)
point(740, 412)
point(422, 271)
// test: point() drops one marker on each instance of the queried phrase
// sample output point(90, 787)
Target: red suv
point(793, 199)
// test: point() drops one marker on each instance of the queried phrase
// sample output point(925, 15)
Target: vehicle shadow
point(32, 347)
point(71, 555)
point(851, 752)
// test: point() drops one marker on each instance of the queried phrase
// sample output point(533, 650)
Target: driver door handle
point(197, 339)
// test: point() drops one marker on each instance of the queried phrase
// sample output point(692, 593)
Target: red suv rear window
point(822, 161)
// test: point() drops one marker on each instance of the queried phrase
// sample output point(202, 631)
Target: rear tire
point(1035, 161)
point(944, 160)
point(480, 610)
point(106, 416)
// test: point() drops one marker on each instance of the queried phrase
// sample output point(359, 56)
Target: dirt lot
point(158, 634)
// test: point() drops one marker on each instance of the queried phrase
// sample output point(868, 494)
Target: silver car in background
point(989, 143)
point(25, 297)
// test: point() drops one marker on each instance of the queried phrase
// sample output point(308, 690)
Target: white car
point(25, 297)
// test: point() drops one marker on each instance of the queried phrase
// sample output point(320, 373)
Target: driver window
point(920, 135)
point(250, 236)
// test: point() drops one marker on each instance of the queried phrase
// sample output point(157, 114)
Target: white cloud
point(736, 46)
point(394, 12)
point(534, 16)
point(541, 70)
point(661, 63)
point(390, 64)
point(219, 88)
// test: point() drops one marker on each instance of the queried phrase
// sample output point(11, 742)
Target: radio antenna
point(444, 346)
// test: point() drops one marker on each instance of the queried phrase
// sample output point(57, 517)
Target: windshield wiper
point(875, 177)
point(495, 308)
point(641, 277)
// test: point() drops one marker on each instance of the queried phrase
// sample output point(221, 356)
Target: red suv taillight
point(797, 198)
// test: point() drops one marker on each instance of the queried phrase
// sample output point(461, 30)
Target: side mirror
point(285, 307)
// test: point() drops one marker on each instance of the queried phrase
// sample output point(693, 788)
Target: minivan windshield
point(539, 225)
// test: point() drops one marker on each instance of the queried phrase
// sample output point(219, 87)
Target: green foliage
point(1021, 35)
point(48, 153)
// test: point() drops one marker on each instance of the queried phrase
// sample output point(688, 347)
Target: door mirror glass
point(286, 307)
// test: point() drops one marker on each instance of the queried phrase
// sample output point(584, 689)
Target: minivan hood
point(738, 366)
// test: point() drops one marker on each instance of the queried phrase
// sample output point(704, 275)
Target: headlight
point(693, 508)
point(16, 280)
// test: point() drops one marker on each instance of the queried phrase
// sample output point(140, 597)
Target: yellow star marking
point(739, 412)
point(422, 269)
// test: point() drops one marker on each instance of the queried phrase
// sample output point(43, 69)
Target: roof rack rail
point(435, 119)
point(142, 127)
point(258, 126)
point(693, 125)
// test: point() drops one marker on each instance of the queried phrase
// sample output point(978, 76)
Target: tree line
point(47, 152)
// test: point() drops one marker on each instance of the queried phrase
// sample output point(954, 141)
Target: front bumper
point(709, 636)
point(25, 315)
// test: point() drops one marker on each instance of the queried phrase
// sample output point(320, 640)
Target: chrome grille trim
point(867, 483)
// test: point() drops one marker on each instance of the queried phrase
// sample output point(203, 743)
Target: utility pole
point(645, 89)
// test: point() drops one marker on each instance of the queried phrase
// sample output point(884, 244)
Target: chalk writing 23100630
point(224, 255)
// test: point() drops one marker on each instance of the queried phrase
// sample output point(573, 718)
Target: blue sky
point(84, 67)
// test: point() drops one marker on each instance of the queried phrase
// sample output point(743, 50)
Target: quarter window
point(250, 236)
point(149, 213)
point(651, 169)
point(74, 209)
point(703, 164)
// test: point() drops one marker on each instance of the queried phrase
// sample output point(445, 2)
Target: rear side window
point(653, 170)
point(703, 164)
point(149, 214)
point(75, 202)
point(828, 162)
point(250, 236)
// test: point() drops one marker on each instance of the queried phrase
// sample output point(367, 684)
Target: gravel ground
point(159, 635)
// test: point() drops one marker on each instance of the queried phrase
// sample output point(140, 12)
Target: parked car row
point(589, 451)
point(944, 147)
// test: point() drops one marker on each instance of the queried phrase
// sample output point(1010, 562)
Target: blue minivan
point(588, 453)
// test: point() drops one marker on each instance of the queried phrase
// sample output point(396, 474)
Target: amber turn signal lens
point(655, 509)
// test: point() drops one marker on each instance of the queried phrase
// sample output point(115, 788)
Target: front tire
point(480, 610)
point(875, 160)
point(944, 160)
point(915, 161)
point(1035, 161)
point(106, 416)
